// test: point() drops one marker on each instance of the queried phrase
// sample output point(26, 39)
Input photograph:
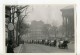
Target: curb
point(20, 49)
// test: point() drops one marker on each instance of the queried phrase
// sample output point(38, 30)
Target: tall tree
point(21, 27)
point(45, 29)
point(53, 30)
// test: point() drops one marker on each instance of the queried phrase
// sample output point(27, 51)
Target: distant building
point(68, 21)
point(36, 29)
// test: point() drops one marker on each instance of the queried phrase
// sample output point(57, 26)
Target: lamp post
point(10, 31)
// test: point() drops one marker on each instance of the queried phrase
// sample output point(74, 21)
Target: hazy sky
point(50, 14)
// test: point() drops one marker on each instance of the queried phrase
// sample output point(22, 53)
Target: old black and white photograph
point(40, 28)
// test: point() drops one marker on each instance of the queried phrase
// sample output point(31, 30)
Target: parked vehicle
point(43, 41)
point(35, 41)
point(40, 41)
point(51, 43)
point(46, 42)
point(63, 44)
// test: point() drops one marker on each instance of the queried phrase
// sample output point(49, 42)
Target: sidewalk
point(18, 49)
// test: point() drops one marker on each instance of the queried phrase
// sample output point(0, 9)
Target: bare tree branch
point(24, 7)
point(20, 8)
point(24, 16)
